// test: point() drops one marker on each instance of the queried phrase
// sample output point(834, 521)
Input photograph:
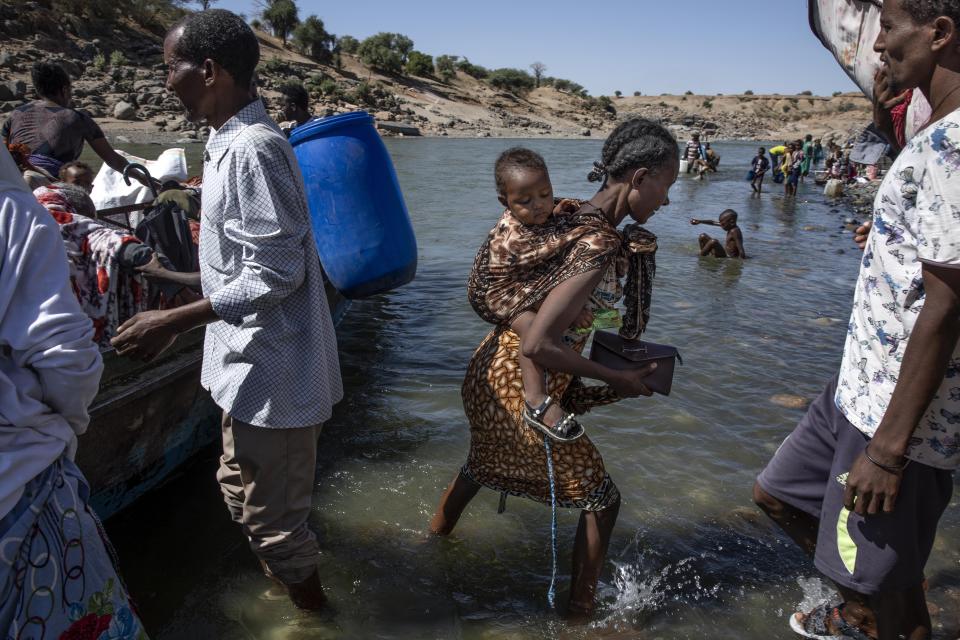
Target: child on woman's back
point(524, 188)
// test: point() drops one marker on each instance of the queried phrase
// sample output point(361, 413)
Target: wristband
point(886, 467)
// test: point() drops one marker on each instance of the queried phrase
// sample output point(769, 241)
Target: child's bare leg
point(534, 376)
point(711, 247)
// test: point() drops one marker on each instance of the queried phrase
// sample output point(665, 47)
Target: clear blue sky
point(630, 45)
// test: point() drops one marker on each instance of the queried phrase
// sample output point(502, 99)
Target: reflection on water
point(690, 557)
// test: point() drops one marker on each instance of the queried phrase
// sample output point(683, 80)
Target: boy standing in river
point(862, 481)
point(270, 353)
point(759, 167)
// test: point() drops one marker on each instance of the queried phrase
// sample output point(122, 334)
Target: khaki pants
point(266, 476)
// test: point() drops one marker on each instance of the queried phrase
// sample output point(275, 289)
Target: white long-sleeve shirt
point(49, 366)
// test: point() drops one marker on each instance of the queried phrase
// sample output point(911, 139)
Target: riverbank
point(118, 78)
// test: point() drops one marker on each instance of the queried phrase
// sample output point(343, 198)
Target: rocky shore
point(118, 79)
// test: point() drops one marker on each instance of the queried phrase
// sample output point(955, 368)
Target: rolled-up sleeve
point(938, 204)
point(270, 230)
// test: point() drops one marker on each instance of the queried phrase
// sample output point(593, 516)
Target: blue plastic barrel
point(360, 221)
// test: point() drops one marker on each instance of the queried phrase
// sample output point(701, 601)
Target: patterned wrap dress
point(515, 269)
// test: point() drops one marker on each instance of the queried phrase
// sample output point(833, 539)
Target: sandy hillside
point(129, 99)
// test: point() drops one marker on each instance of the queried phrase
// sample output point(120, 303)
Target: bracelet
point(886, 467)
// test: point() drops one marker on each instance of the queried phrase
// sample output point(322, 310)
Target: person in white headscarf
point(57, 577)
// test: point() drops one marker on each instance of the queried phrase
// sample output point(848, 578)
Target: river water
point(690, 557)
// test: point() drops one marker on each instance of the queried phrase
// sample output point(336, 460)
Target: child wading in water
point(758, 167)
point(734, 241)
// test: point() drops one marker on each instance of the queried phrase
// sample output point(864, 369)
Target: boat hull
point(150, 418)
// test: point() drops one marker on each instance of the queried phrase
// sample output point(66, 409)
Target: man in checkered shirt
point(270, 358)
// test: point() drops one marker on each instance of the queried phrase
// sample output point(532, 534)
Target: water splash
point(816, 592)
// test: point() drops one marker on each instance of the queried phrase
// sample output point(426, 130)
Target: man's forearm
point(931, 344)
point(193, 315)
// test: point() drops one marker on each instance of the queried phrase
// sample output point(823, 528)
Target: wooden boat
point(150, 418)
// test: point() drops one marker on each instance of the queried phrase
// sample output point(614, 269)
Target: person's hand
point(861, 234)
point(694, 221)
point(584, 320)
point(145, 180)
point(145, 335)
point(153, 270)
point(629, 384)
point(884, 99)
point(871, 489)
point(883, 94)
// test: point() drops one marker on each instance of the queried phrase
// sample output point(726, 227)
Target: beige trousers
point(267, 477)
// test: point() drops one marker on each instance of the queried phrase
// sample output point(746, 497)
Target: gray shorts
point(869, 554)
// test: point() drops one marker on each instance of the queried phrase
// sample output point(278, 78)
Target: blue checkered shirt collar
point(221, 139)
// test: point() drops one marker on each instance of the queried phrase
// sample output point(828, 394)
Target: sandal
point(566, 430)
point(814, 624)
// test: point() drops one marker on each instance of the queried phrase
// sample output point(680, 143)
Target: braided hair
point(634, 144)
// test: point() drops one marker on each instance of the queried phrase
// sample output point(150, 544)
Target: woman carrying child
point(534, 282)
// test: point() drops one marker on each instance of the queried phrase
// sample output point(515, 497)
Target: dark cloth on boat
point(53, 134)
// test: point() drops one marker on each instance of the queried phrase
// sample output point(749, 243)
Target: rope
point(551, 592)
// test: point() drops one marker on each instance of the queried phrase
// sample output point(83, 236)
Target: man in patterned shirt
point(862, 481)
point(270, 358)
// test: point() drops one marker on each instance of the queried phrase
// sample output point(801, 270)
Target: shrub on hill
point(446, 67)
point(514, 80)
point(568, 86)
point(312, 39)
point(419, 64)
point(348, 44)
point(473, 70)
point(386, 51)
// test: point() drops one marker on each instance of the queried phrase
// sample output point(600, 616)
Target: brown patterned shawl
point(518, 265)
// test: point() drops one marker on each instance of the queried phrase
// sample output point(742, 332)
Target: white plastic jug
point(833, 189)
point(684, 166)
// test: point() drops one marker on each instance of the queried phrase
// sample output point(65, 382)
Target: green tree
point(472, 70)
point(446, 67)
point(282, 17)
point(348, 44)
point(513, 80)
point(312, 39)
point(419, 64)
point(636, 94)
point(205, 4)
point(618, 93)
point(386, 51)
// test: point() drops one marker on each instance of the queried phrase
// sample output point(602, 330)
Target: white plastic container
point(833, 189)
point(684, 166)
